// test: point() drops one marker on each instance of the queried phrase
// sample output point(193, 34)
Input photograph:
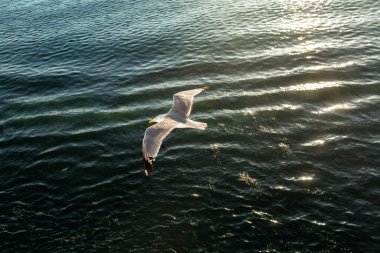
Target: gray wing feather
point(153, 139)
point(183, 101)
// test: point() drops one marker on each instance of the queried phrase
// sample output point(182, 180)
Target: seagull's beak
point(151, 121)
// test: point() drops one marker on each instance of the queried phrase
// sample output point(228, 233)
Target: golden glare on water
point(323, 141)
point(314, 143)
point(349, 105)
point(319, 223)
point(253, 111)
point(333, 66)
point(336, 107)
point(282, 188)
point(246, 178)
point(305, 178)
point(311, 86)
point(292, 88)
point(301, 178)
point(302, 15)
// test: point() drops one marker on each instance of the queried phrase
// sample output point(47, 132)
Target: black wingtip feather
point(148, 167)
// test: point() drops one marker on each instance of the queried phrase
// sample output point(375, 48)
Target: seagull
point(177, 117)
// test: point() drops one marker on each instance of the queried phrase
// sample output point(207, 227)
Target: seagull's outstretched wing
point(183, 101)
point(152, 141)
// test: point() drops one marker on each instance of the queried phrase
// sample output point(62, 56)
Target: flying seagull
point(177, 117)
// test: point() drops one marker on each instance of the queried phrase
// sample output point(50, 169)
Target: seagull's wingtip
point(205, 88)
point(148, 167)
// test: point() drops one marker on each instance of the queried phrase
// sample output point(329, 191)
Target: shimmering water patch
point(288, 163)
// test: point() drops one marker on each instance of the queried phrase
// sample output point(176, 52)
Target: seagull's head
point(157, 119)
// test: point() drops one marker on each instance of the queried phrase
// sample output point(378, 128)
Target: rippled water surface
point(289, 161)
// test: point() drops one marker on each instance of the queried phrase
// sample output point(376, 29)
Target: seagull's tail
point(195, 124)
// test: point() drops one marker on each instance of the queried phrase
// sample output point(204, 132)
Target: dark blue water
point(289, 161)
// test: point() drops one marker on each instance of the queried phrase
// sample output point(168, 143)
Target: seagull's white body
point(177, 117)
